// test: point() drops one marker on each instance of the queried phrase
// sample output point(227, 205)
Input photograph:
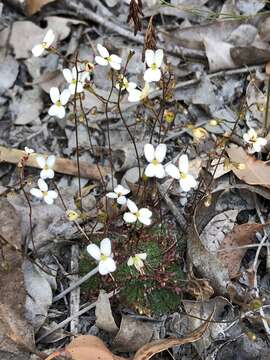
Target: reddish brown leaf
point(256, 172)
point(33, 6)
point(241, 235)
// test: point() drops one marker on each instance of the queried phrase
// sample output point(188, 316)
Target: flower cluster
point(47, 172)
point(155, 168)
point(255, 143)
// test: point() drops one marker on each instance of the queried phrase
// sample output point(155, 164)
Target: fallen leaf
point(256, 172)
point(28, 107)
point(241, 235)
point(155, 347)
point(218, 54)
point(104, 317)
point(15, 332)
point(9, 69)
point(33, 6)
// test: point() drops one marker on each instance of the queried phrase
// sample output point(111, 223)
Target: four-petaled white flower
point(104, 58)
point(46, 164)
point(154, 61)
point(59, 101)
point(119, 193)
point(124, 84)
point(43, 192)
point(103, 255)
point(155, 158)
point(137, 261)
point(46, 43)
point(76, 79)
point(28, 151)
point(255, 143)
point(186, 180)
point(136, 95)
point(143, 215)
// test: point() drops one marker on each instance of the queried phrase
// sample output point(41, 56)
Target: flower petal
point(112, 195)
point(149, 152)
point(37, 50)
point(159, 57)
point(36, 192)
point(115, 65)
point(49, 38)
point(185, 185)
point(101, 61)
point(144, 212)
point(183, 164)
point(191, 180)
point(49, 174)
point(42, 185)
point(106, 247)
point(173, 171)
point(134, 95)
point(72, 88)
point(116, 59)
point(53, 194)
point(159, 171)
point(150, 170)
point(151, 75)
point(121, 200)
point(67, 75)
point(102, 268)
point(145, 220)
point(40, 161)
point(142, 256)
point(51, 161)
point(130, 261)
point(103, 51)
point(53, 110)
point(149, 57)
point(262, 141)
point(64, 97)
point(48, 199)
point(129, 217)
point(79, 88)
point(54, 94)
point(132, 206)
point(94, 251)
point(160, 152)
point(61, 112)
point(131, 86)
point(110, 263)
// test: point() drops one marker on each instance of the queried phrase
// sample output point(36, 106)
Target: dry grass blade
point(155, 347)
point(256, 172)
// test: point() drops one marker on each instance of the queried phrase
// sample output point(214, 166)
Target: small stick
point(79, 313)
point(62, 165)
point(76, 284)
point(75, 293)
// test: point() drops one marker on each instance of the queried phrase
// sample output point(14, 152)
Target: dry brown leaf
point(15, 332)
point(155, 347)
point(256, 172)
point(33, 6)
point(241, 235)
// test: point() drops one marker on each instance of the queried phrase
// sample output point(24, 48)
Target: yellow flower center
point(154, 66)
point(155, 162)
point(137, 214)
point(73, 81)
point(45, 193)
point(103, 257)
point(109, 59)
point(58, 103)
point(44, 45)
point(182, 175)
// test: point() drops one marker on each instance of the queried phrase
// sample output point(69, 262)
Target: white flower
point(46, 164)
point(255, 143)
point(124, 84)
point(59, 100)
point(73, 77)
point(43, 192)
point(28, 151)
point(103, 255)
point(155, 158)
point(136, 95)
point(119, 193)
point(143, 215)
point(46, 43)
point(106, 59)
point(154, 61)
point(137, 261)
point(186, 180)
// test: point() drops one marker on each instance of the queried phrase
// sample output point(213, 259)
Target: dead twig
point(75, 293)
point(62, 165)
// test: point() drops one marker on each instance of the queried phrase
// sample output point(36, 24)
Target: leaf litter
point(202, 245)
